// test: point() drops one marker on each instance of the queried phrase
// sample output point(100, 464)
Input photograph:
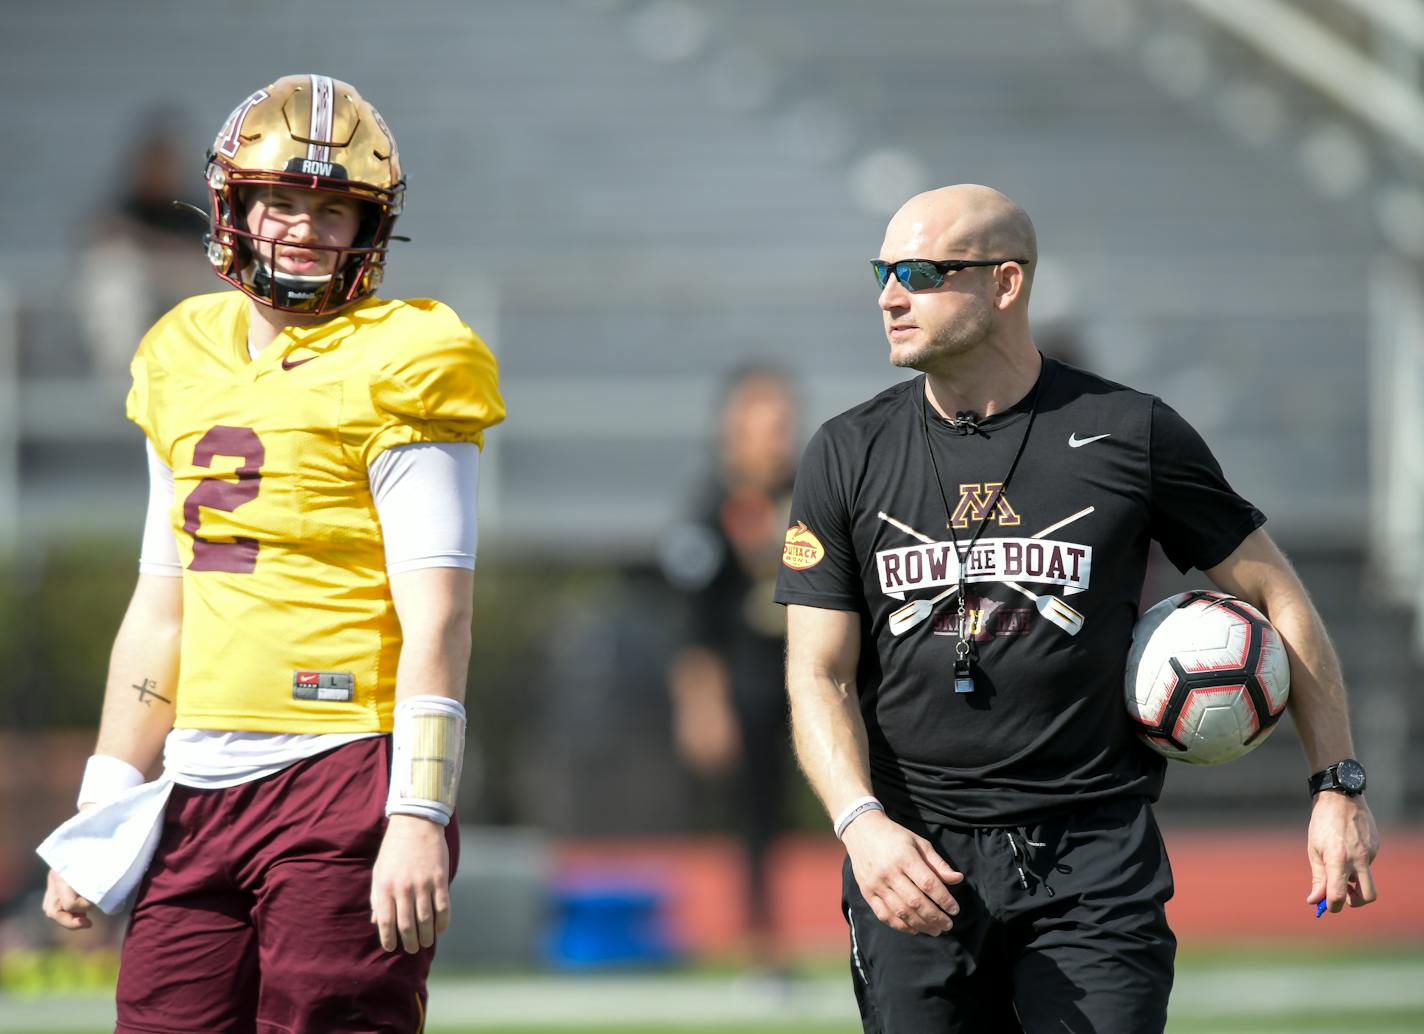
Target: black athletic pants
point(1077, 942)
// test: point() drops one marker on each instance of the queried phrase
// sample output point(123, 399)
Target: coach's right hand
point(64, 905)
point(903, 879)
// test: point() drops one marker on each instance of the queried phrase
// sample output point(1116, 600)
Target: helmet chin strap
point(287, 289)
point(294, 279)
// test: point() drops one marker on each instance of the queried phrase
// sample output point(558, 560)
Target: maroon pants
point(255, 915)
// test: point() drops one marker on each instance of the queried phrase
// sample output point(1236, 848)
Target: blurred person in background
point(142, 255)
point(729, 707)
point(1003, 869)
point(297, 645)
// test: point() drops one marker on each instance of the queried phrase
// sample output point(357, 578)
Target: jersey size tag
point(339, 686)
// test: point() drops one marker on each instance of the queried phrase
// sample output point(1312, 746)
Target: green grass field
point(1261, 990)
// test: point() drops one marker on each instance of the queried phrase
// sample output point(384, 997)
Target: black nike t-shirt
point(1053, 585)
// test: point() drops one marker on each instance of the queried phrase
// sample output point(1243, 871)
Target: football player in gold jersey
point(297, 646)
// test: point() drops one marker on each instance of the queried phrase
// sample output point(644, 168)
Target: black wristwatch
point(1348, 777)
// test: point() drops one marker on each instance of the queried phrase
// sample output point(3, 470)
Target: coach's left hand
point(1342, 843)
point(410, 884)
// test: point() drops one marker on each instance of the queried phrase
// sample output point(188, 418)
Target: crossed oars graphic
point(1051, 607)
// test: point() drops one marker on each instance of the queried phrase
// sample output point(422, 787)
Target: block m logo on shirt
point(983, 502)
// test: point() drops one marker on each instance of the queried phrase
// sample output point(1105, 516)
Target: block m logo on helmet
point(978, 502)
point(230, 136)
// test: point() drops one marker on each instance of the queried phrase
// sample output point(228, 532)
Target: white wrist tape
point(854, 810)
point(105, 778)
point(428, 750)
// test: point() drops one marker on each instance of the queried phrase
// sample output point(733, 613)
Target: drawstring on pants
point(1019, 844)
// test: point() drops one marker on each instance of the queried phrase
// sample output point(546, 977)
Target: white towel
point(103, 853)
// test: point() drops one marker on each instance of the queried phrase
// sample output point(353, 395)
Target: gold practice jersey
point(288, 624)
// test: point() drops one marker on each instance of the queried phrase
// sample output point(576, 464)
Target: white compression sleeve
point(425, 496)
point(159, 552)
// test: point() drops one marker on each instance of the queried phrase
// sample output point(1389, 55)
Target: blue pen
point(1320, 909)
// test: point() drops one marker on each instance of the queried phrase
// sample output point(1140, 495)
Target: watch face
point(1351, 776)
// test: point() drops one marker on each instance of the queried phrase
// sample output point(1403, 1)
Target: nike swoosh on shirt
point(1074, 442)
point(287, 364)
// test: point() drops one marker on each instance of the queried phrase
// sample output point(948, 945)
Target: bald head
point(963, 221)
point(975, 315)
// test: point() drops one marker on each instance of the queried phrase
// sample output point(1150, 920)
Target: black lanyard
point(963, 663)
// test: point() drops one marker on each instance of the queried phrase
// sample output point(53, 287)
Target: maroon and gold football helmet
point(315, 133)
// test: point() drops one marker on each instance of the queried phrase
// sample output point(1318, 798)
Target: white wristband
point(854, 810)
point(428, 749)
point(105, 778)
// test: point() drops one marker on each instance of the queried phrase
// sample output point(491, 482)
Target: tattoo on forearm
point(149, 688)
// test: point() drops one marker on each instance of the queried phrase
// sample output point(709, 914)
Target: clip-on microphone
point(965, 421)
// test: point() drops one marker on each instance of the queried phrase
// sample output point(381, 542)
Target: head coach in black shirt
point(962, 574)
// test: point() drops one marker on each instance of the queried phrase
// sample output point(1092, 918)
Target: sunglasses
point(927, 274)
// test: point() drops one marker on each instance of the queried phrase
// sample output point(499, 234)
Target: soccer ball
point(1207, 677)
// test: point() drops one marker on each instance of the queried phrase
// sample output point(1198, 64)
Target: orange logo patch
point(802, 549)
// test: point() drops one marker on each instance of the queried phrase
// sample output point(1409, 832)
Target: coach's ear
point(1010, 285)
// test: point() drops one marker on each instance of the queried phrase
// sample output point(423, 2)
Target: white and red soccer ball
point(1207, 677)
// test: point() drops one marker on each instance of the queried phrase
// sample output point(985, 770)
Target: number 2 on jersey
point(240, 555)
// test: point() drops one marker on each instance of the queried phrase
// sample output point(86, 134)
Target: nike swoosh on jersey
point(287, 364)
point(1074, 442)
